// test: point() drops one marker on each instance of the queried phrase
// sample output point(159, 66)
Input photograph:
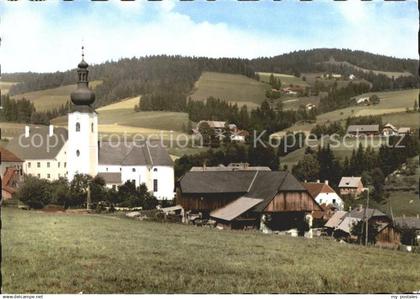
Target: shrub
point(34, 192)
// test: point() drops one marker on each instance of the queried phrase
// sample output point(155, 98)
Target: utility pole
point(88, 199)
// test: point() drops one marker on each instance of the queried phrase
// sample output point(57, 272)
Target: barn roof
point(39, 145)
point(8, 156)
point(360, 213)
point(336, 219)
point(235, 208)
point(362, 128)
point(409, 222)
point(146, 153)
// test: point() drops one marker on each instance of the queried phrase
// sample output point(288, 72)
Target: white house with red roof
point(324, 194)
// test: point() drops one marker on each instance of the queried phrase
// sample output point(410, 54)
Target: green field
point(70, 253)
point(120, 117)
point(402, 119)
point(285, 79)
point(229, 87)
point(388, 74)
point(51, 98)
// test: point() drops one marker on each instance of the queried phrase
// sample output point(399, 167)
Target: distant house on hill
point(404, 131)
point(364, 100)
point(352, 186)
point(272, 200)
point(389, 130)
point(367, 130)
point(352, 77)
point(324, 194)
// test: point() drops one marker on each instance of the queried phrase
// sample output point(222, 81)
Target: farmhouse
point(237, 198)
point(389, 130)
point(352, 186)
point(368, 130)
point(324, 194)
point(10, 172)
point(51, 153)
point(364, 100)
point(341, 224)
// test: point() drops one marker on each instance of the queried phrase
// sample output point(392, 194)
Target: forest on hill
point(165, 82)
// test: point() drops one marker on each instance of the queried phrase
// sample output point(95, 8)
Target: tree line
point(38, 193)
point(23, 111)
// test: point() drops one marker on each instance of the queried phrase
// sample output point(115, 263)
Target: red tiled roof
point(8, 156)
point(316, 188)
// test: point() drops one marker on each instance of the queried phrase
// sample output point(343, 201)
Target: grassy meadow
point(285, 79)
point(229, 87)
point(73, 253)
point(120, 117)
point(52, 98)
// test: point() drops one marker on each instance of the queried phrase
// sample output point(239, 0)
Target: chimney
point(326, 182)
point(51, 130)
point(306, 181)
point(317, 181)
point(418, 216)
point(27, 130)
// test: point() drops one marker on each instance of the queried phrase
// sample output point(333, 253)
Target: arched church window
point(91, 127)
point(78, 153)
point(77, 127)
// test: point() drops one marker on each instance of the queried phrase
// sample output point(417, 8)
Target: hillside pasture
point(286, 79)
point(390, 102)
point(10, 130)
point(388, 74)
point(229, 87)
point(65, 252)
point(5, 86)
point(52, 98)
point(120, 118)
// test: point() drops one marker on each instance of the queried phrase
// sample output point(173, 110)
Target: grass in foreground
point(62, 253)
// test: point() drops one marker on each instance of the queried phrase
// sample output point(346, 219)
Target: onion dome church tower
point(82, 150)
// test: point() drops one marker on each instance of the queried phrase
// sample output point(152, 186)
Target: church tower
point(82, 150)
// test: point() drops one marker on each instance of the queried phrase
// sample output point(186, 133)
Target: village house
point(50, 153)
point(324, 194)
point(351, 186)
point(363, 130)
point(341, 225)
point(409, 223)
point(352, 77)
point(237, 198)
point(10, 172)
point(310, 106)
point(389, 130)
point(363, 101)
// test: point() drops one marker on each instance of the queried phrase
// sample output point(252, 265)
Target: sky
point(47, 36)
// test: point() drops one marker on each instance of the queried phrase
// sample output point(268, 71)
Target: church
point(51, 153)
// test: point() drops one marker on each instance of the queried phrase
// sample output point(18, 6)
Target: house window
point(78, 153)
point(155, 169)
point(48, 176)
point(58, 164)
point(134, 170)
point(91, 127)
point(65, 164)
point(29, 164)
point(77, 127)
point(48, 164)
point(155, 185)
point(38, 164)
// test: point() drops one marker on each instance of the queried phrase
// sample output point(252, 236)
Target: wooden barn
point(244, 199)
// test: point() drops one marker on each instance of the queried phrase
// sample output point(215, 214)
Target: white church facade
point(51, 153)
